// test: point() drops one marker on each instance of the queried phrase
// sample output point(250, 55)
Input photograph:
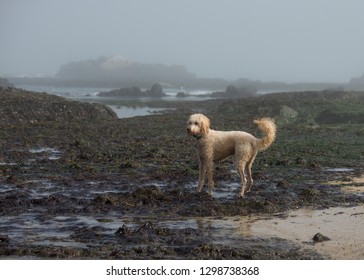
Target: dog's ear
point(205, 125)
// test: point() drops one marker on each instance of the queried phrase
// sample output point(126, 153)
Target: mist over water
point(288, 41)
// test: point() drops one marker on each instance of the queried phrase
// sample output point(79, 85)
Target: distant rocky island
point(116, 69)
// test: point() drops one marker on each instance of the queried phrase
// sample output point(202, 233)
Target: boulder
point(288, 113)
point(235, 92)
point(156, 90)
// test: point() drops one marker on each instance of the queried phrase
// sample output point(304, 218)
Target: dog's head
point(198, 125)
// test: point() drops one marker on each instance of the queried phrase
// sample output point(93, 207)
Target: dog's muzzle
point(196, 136)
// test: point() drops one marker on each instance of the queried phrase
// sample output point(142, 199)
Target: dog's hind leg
point(241, 169)
point(249, 171)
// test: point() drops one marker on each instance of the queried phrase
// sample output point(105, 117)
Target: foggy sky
point(269, 40)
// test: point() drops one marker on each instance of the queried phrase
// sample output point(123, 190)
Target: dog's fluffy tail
point(269, 128)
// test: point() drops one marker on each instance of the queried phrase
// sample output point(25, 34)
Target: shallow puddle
point(41, 229)
point(50, 153)
point(341, 169)
point(344, 227)
point(128, 112)
point(355, 185)
point(99, 211)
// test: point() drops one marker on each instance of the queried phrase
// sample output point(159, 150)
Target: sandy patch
point(344, 226)
point(357, 186)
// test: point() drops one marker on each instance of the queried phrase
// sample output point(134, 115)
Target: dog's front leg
point(210, 168)
point(201, 176)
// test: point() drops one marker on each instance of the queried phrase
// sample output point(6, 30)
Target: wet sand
point(344, 226)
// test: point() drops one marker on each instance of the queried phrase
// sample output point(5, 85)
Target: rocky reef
point(20, 106)
point(78, 183)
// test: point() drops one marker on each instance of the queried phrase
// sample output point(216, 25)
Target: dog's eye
point(196, 123)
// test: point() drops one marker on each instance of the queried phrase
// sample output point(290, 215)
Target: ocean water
point(64, 91)
point(74, 92)
point(91, 95)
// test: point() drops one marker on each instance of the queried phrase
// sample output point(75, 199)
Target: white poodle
point(216, 145)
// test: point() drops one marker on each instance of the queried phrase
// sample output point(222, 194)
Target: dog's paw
point(241, 194)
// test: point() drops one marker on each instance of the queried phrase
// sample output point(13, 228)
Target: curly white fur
point(213, 145)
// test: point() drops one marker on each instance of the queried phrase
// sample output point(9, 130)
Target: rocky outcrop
point(235, 92)
point(20, 106)
point(288, 113)
point(156, 91)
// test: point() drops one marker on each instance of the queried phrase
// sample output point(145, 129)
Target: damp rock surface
point(76, 182)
